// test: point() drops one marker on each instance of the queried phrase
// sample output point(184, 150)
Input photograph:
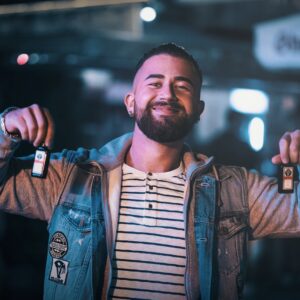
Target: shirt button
point(150, 205)
point(150, 187)
point(150, 174)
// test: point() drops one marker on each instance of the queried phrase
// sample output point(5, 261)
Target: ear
point(129, 103)
point(200, 107)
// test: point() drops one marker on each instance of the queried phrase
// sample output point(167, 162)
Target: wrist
point(4, 130)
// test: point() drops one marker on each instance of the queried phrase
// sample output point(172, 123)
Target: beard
point(168, 128)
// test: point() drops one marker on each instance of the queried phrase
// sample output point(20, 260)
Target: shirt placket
point(150, 203)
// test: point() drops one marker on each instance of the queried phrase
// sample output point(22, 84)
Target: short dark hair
point(173, 50)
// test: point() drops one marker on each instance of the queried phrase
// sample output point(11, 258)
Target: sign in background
point(277, 43)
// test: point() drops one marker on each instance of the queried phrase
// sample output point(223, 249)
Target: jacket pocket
point(77, 217)
point(232, 240)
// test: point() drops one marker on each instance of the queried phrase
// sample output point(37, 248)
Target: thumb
point(276, 159)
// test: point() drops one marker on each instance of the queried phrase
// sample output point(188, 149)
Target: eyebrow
point(178, 78)
point(160, 76)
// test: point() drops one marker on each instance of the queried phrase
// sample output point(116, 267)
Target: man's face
point(165, 98)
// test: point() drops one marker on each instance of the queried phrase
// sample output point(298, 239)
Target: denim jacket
point(224, 207)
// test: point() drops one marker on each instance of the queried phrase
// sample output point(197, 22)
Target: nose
point(167, 92)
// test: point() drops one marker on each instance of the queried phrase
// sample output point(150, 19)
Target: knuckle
point(24, 110)
point(26, 114)
point(296, 133)
point(35, 106)
point(294, 148)
point(283, 142)
point(17, 113)
point(14, 112)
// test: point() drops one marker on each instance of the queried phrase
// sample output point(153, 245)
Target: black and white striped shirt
point(150, 253)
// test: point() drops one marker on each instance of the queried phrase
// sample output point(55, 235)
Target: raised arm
point(271, 213)
point(19, 192)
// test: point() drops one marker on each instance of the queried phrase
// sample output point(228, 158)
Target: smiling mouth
point(166, 106)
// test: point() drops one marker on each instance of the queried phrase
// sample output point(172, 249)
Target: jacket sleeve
point(25, 195)
point(272, 214)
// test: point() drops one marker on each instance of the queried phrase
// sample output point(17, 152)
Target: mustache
point(172, 104)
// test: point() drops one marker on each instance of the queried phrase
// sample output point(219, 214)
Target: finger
point(31, 124)
point(11, 121)
point(51, 129)
point(42, 125)
point(294, 146)
point(284, 145)
point(276, 159)
point(22, 128)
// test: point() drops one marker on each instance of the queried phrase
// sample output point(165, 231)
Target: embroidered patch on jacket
point(58, 246)
point(59, 271)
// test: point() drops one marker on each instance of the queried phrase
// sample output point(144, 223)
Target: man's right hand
point(33, 123)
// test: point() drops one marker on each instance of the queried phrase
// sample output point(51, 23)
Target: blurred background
point(76, 57)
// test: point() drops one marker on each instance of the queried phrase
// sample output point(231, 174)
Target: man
point(143, 217)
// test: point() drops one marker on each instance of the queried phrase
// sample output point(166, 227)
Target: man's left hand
point(289, 147)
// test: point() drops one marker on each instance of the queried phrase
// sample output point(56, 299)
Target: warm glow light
point(256, 131)
point(148, 14)
point(249, 101)
point(22, 59)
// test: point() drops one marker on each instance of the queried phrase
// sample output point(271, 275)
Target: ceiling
point(91, 33)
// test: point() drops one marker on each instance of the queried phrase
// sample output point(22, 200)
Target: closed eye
point(183, 87)
point(155, 84)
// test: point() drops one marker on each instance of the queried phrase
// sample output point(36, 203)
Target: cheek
point(189, 106)
point(143, 98)
point(139, 106)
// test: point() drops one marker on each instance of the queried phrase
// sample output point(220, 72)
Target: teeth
point(161, 104)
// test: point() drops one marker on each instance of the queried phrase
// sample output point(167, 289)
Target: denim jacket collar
point(113, 154)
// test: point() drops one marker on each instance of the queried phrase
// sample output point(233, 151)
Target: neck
point(150, 156)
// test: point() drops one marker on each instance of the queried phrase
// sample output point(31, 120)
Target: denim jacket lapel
point(205, 215)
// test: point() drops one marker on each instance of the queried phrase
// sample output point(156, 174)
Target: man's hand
point(289, 147)
point(33, 123)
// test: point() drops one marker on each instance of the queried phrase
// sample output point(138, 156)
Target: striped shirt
point(150, 253)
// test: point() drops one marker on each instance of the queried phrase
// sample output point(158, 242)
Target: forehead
point(167, 65)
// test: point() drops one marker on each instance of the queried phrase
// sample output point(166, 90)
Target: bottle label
point(39, 162)
point(288, 178)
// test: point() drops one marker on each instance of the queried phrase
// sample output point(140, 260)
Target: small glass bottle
point(41, 162)
point(286, 178)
